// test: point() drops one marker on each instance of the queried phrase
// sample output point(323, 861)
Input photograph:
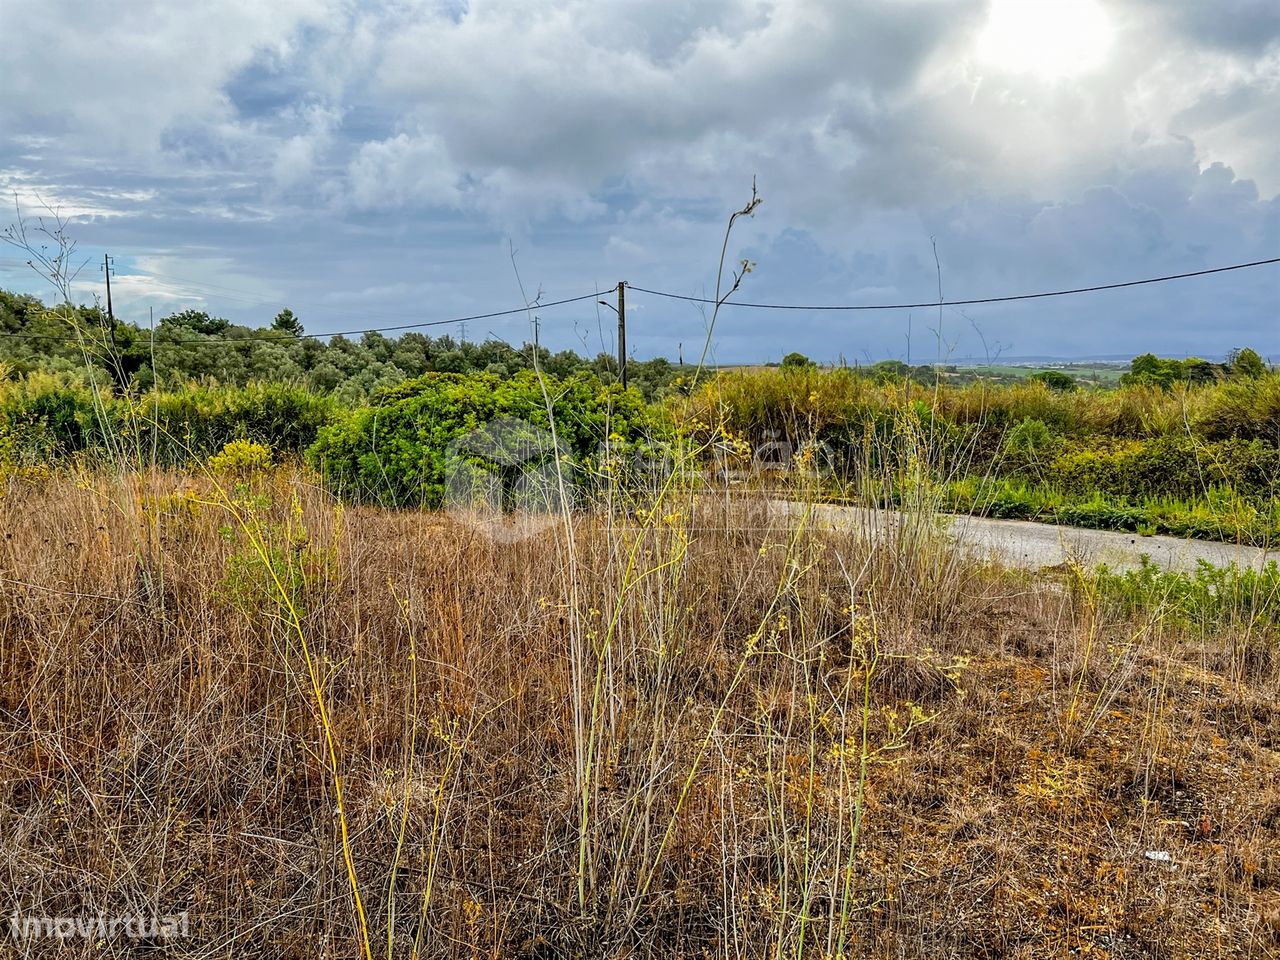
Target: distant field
point(1107, 374)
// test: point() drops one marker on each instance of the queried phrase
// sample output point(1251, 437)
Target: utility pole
point(106, 269)
point(114, 356)
point(680, 351)
point(622, 332)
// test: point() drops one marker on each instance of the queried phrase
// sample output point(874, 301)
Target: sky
point(378, 164)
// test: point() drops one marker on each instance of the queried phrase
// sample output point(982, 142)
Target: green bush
point(1221, 514)
point(1210, 599)
point(1248, 408)
point(201, 420)
point(1017, 502)
point(44, 418)
point(796, 360)
point(1055, 380)
point(397, 453)
point(241, 458)
point(1170, 466)
point(1029, 438)
point(1101, 513)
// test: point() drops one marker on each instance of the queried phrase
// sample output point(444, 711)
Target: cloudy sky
point(371, 164)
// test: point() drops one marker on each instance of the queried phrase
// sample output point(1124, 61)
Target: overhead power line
point(279, 338)
point(523, 310)
point(958, 303)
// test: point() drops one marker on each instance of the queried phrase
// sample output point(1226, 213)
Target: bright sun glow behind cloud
point(1052, 39)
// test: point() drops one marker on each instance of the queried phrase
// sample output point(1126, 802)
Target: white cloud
point(615, 137)
point(123, 73)
point(297, 156)
point(26, 193)
point(403, 170)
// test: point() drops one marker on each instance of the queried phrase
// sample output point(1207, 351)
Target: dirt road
point(1032, 546)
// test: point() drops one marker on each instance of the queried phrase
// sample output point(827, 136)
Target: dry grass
point(688, 737)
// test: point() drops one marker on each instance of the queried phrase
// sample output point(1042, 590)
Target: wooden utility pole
point(622, 332)
point(110, 331)
point(106, 268)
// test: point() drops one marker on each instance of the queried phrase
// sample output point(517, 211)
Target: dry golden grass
point(681, 738)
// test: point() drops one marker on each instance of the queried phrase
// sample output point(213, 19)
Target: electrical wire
point(277, 338)
point(958, 303)
point(676, 296)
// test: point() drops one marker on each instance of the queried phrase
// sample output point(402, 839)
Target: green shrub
point(1016, 501)
point(796, 360)
point(1209, 600)
point(1055, 380)
point(1219, 515)
point(1028, 438)
point(44, 418)
point(201, 420)
point(241, 458)
point(1101, 513)
point(795, 403)
point(397, 453)
point(1248, 409)
point(1170, 466)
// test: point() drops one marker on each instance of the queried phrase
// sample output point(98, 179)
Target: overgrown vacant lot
point(345, 733)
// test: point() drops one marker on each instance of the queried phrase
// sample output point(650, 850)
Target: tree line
point(193, 346)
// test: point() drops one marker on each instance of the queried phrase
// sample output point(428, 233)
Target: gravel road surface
point(1033, 546)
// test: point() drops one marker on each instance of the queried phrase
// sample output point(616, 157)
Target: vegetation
point(357, 733)
point(48, 419)
point(1054, 379)
point(681, 723)
point(1211, 601)
point(397, 451)
point(193, 346)
point(241, 459)
point(1200, 461)
point(1185, 447)
point(1219, 515)
point(1151, 370)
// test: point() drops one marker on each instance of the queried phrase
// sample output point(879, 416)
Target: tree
point(1055, 380)
point(286, 323)
point(1195, 370)
point(1145, 368)
point(887, 371)
point(417, 426)
point(1246, 364)
point(796, 361)
point(451, 361)
point(1149, 370)
point(197, 321)
point(325, 377)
